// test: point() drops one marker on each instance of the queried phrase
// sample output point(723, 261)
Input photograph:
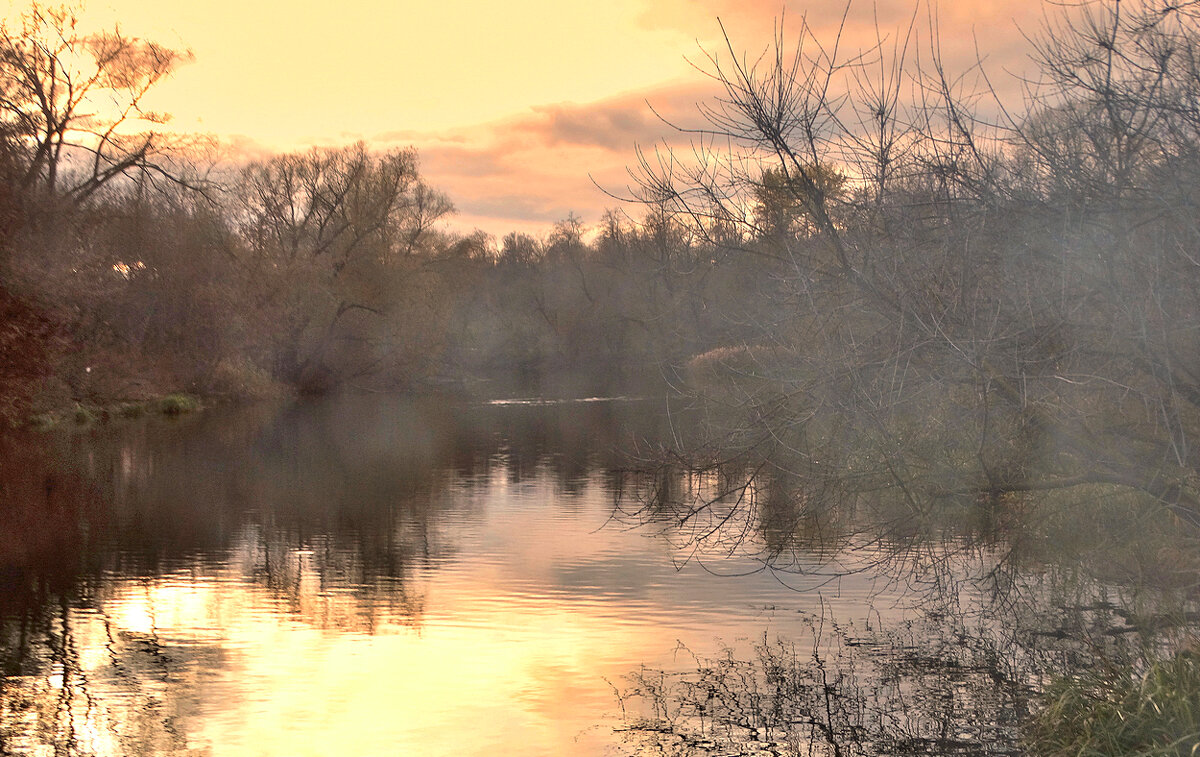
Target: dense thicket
point(960, 307)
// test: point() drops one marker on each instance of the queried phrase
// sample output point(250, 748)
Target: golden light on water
point(515, 641)
point(520, 671)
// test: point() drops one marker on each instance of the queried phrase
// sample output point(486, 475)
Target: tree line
point(877, 265)
point(134, 262)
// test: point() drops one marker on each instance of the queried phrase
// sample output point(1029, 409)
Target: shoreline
point(82, 415)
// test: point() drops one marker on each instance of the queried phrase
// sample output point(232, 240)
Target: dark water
point(376, 576)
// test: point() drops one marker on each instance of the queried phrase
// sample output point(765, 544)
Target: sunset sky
point(514, 105)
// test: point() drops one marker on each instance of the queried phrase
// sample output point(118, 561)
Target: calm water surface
point(363, 576)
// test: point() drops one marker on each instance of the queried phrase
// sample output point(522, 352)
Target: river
point(378, 575)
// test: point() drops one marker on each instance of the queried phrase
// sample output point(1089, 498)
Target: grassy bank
point(1120, 710)
point(87, 414)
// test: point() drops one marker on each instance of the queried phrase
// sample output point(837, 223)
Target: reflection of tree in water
point(94, 523)
point(326, 515)
point(72, 682)
point(76, 683)
point(1001, 598)
point(766, 504)
point(935, 685)
point(330, 582)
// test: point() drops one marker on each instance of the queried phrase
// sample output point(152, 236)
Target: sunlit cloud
point(573, 156)
point(519, 109)
point(527, 171)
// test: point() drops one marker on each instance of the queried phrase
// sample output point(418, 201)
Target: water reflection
point(1001, 596)
point(378, 576)
point(365, 576)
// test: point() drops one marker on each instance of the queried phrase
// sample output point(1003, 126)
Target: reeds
point(1123, 711)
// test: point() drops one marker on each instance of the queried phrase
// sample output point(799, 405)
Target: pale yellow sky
point(288, 74)
point(512, 105)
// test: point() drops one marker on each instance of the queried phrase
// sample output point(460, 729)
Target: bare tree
point(73, 102)
point(334, 240)
point(979, 312)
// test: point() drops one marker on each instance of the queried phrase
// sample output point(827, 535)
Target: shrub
point(177, 404)
point(1119, 711)
point(241, 379)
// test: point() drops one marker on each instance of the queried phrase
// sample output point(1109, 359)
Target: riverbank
point(86, 414)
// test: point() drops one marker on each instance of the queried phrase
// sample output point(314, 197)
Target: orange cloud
point(481, 90)
point(535, 167)
point(525, 172)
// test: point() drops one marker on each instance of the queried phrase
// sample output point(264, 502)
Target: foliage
point(335, 244)
point(991, 323)
point(853, 692)
point(1122, 711)
point(787, 199)
point(28, 344)
point(178, 404)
